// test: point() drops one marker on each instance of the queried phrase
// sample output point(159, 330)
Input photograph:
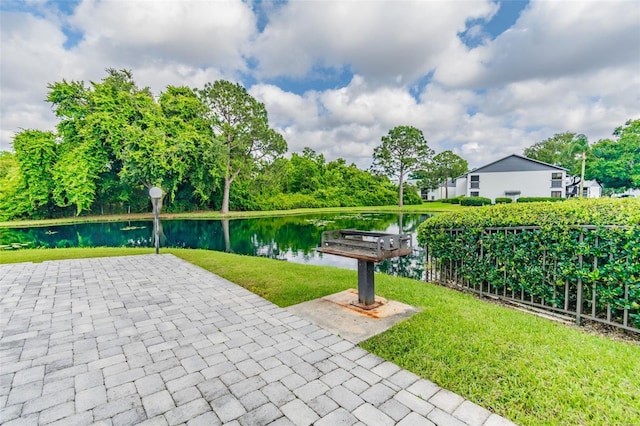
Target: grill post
point(366, 283)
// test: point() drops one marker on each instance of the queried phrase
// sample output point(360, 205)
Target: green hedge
point(454, 200)
point(522, 259)
point(475, 201)
point(503, 200)
point(539, 199)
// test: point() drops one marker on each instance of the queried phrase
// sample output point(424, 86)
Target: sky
point(482, 78)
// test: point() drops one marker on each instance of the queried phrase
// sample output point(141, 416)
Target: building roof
point(516, 163)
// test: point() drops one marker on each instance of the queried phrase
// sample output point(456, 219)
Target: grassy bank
point(434, 207)
point(530, 370)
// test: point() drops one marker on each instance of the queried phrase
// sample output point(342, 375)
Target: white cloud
point(552, 39)
point(32, 57)
point(383, 41)
point(195, 33)
point(286, 108)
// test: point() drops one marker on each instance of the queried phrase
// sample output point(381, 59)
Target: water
point(289, 238)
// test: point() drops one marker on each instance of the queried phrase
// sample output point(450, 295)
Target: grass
point(432, 207)
point(528, 369)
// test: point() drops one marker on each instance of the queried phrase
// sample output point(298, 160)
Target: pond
point(290, 238)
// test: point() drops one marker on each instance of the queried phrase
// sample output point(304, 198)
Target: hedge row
point(540, 261)
point(475, 201)
point(454, 200)
point(538, 199)
point(503, 200)
point(575, 211)
point(481, 201)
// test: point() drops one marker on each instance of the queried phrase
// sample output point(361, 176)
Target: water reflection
point(291, 238)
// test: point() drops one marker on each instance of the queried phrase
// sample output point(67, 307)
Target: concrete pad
point(340, 314)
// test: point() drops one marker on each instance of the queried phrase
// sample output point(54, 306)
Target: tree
point(123, 141)
point(240, 123)
point(7, 163)
point(95, 122)
point(554, 151)
point(446, 165)
point(74, 182)
point(189, 133)
point(616, 163)
point(567, 150)
point(36, 153)
point(13, 201)
point(305, 174)
point(403, 150)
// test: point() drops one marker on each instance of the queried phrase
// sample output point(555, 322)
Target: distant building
point(513, 176)
point(441, 192)
point(590, 189)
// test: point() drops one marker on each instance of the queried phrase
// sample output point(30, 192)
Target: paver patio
point(155, 340)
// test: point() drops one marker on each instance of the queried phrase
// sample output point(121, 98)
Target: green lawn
point(432, 207)
point(528, 369)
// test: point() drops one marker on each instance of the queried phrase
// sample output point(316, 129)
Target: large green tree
point(124, 141)
point(241, 124)
point(96, 123)
point(196, 154)
point(36, 154)
point(306, 172)
point(616, 162)
point(567, 150)
point(555, 150)
point(404, 150)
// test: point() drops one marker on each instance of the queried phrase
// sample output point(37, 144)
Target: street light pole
point(156, 194)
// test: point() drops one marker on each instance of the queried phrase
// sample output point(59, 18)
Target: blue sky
point(482, 78)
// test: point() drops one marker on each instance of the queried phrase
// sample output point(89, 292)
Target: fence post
point(579, 295)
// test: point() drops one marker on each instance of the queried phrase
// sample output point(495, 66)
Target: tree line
point(209, 148)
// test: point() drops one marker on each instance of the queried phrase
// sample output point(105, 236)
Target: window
point(475, 193)
point(556, 184)
point(556, 180)
point(556, 175)
point(475, 182)
point(556, 194)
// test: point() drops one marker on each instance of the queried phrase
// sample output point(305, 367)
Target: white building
point(513, 176)
point(590, 189)
point(442, 192)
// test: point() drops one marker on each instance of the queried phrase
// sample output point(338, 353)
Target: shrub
point(594, 241)
point(454, 200)
point(475, 201)
point(411, 195)
point(503, 200)
point(538, 199)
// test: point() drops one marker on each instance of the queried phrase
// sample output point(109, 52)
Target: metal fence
point(579, 296)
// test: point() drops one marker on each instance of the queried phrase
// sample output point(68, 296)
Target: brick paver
point(155, 340)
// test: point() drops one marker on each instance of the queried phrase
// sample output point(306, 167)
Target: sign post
point(156, 194)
